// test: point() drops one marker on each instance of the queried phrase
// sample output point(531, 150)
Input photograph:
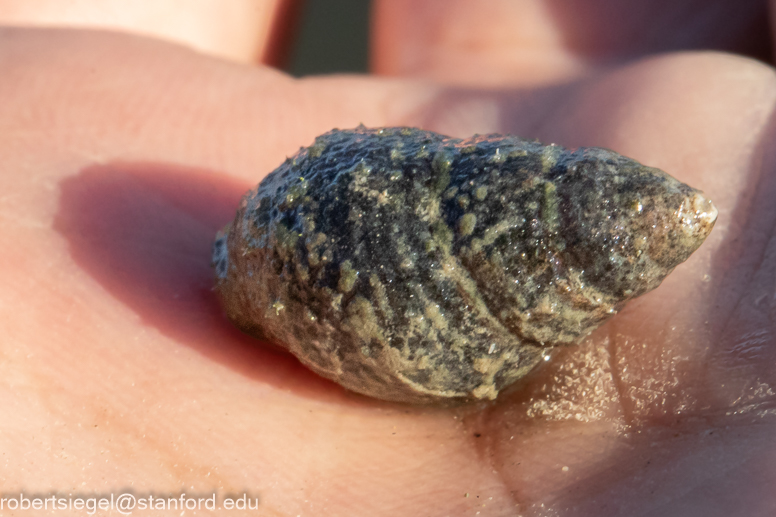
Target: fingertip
point(540, 42)
point(238, 30)
point(464, 43)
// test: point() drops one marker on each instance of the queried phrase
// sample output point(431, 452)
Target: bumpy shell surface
point(414, 267)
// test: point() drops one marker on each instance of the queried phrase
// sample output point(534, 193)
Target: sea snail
point(414, 267)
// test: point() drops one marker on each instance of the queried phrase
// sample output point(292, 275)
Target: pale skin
point(122, 156)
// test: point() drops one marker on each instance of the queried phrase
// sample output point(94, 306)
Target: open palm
point(123, 155)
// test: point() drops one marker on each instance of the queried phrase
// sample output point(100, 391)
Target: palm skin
point(123, 156)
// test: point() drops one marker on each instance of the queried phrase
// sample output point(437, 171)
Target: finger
point(535, 42)
point(241, 30)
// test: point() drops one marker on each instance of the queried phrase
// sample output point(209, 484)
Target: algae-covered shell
point(415, 267)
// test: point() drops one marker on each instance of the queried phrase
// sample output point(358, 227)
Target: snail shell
point(415, 267)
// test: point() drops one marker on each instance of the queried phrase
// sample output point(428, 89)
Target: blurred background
point(332, 36)
point(473, 43)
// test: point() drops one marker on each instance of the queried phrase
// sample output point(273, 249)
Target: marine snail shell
point(415, 267)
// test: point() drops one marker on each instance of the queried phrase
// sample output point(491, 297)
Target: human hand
point(124, 155)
